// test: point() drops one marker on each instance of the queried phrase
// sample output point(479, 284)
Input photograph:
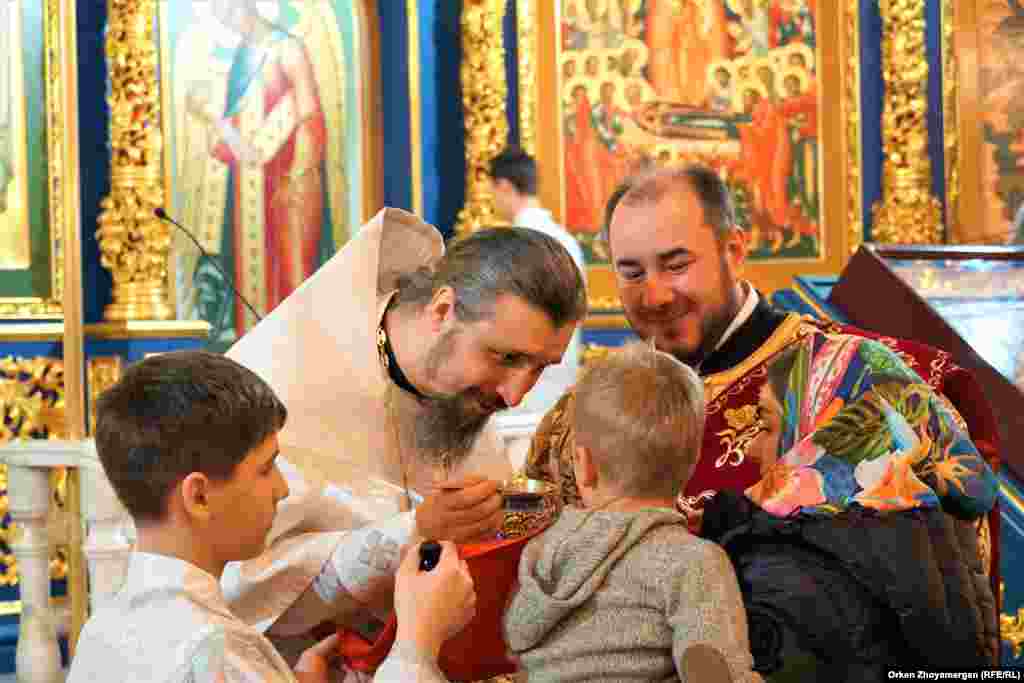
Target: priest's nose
point(656, 292)
point(515, 387)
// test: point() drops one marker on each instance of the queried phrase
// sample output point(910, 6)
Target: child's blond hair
point(640, 413)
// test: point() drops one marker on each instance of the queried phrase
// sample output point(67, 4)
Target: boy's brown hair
point(640, 413)
point(178, 413)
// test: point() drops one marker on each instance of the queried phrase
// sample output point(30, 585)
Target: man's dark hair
point(489, 263)
point(651, 186)
point(517, 167)
point(177, 413)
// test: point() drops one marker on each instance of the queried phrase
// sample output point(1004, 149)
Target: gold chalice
point(529, 504)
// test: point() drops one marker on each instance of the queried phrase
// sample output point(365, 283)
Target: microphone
point(162, 215)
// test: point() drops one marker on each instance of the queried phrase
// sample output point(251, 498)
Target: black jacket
point(854, 596)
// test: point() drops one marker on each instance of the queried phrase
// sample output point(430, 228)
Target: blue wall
point(94, 149)
point(441, 120)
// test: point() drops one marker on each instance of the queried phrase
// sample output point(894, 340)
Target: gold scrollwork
point(415, 106)
point(1011, 628)
point(31, 407)
point(484, 90)
point(950, 142)
point(604, 304)
point(526, 46)
point(102, 372)
point(134, 243)
point(744, 426)
point(908, 212)
point(592, 352)
point(851, 88)
point(32, 399)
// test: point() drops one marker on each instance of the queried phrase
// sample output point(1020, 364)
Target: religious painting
point(736, 85)
point(265, 137)
point(988, 190)
point(31, 94)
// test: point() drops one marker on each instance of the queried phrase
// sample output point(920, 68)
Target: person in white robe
point(188, 441)
point(392, 359)
point(170, 623)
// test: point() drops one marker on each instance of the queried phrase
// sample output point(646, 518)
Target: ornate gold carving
point(31, 407)
point(1011, 628)
point(606, 321)
point(526, 47)
point(484, 90)
point(34, 307)
point(908, 213)
point(603, 304)
point(134, 243)
point(415, 107)
point(851, 89)
point(149, 329)
point(8, 564)
point(592, 352)
point(950, 142)
point(32, 399)
point(102, 372)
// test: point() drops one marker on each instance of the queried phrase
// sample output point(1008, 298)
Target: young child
point(188, 441)
point(620, 589)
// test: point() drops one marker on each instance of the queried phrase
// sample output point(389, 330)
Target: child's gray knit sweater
point(612, 596)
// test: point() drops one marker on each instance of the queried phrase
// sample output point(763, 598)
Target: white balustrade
point(29, 464)
point(106, 545)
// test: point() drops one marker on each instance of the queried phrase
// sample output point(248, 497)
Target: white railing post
point(106, 548)
point(37, 656)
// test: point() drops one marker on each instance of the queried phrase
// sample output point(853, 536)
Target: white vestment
point(340, 450)
point(169, 623)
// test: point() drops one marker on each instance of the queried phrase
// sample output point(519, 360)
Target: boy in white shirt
point(188, 441)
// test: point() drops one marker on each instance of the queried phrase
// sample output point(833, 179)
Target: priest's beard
point(446, 428)
point(716, 321)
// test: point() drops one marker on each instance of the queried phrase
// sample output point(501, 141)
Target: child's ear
point(586, 468)
point(195, 495)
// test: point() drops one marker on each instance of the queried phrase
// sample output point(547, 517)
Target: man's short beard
point(714, 325)
point(445, 429)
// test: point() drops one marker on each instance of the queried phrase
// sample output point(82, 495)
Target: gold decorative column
point(908, 212)
point(484, 90)
point(134, 243)
point(852, 104)
point(526, 49)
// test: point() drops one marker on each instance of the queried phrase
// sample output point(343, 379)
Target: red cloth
point(477, 652)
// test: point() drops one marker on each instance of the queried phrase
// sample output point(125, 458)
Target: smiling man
point(678, 256)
